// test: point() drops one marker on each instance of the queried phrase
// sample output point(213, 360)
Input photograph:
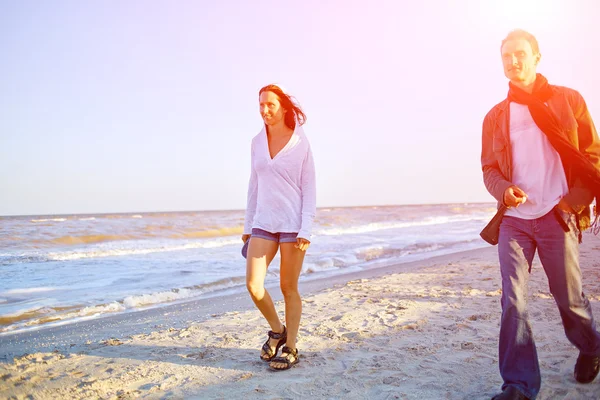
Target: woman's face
point(271, 110)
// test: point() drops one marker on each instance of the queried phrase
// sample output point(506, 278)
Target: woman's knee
point(256, 289)
point(289, 289)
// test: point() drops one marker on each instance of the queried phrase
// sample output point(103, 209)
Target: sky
point(121, 106)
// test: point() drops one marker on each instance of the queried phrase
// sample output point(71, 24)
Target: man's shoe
point(586, 368)
point(510, 393)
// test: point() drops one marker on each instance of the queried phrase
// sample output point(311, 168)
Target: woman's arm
point(309, 195)
point(252, 195)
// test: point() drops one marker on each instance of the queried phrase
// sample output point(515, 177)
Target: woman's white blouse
point(282, 190)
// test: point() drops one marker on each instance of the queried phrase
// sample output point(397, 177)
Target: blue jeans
point(559, 253)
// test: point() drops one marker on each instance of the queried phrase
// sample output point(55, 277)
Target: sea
point(59, 269)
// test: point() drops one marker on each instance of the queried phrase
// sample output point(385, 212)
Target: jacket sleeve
point(494, 181)
point(309, 195)
point(252, 196)
point(580, 196)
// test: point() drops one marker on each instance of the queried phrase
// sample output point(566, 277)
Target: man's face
point(520, 63)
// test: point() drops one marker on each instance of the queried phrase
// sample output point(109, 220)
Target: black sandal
point(286, 360)
point(268, 351)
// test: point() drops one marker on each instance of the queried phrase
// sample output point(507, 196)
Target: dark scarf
point(543, 117)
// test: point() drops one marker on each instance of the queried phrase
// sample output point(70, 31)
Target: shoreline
point(176, 315)
point(421, 330)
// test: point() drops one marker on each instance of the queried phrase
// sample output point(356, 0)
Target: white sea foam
point(379, 226)
point(28, 290)
point(157, 298)
point(48, 316)
point(57, 318)
point(111, 252)
point(328, 263)
point(97, 310)
point(49, 220)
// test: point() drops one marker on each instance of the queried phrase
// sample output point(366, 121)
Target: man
point(541, 161)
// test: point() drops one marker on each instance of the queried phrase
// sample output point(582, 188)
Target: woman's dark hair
point(294, 112)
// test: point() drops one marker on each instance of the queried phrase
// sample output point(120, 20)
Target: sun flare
point(527, 14)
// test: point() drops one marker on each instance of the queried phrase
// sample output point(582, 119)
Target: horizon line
point(238, 209)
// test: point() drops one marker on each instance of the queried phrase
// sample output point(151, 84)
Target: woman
point(279, 216)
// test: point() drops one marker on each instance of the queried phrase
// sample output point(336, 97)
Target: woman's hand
point(302, 244)
point(245, 237)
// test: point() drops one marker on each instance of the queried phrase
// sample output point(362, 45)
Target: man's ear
point(538, 57)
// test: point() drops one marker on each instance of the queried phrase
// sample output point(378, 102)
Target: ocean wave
point(180, 294)
point(28, 290)
point(381, 253)
point(10, 259)
point(379, 226)
point(238, 230)
point(48, 315)
point(49, 220)
point(99, 253)
point(363, 255)
point(87, 239)
point(30, 316)
point(150, 232)
point(329, 263)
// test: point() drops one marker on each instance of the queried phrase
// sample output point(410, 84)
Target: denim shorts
point(280, 237)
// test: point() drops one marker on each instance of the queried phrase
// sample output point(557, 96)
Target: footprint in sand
point(87, 383)
point(6, 377)
point(477, 317)
point(111, 342)
point(244, 376)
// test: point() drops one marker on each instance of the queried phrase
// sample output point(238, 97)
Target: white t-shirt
point(537, 168)
point(282, 190)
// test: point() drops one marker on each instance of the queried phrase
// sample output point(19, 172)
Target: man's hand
point(245, 238)
point(564, 206)
point(302, 244)
point(514, 196)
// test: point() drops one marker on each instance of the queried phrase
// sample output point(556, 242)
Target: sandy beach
point(423, 330)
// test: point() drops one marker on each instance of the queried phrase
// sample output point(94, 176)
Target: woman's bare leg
point(291, 266)
point(260, 254)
